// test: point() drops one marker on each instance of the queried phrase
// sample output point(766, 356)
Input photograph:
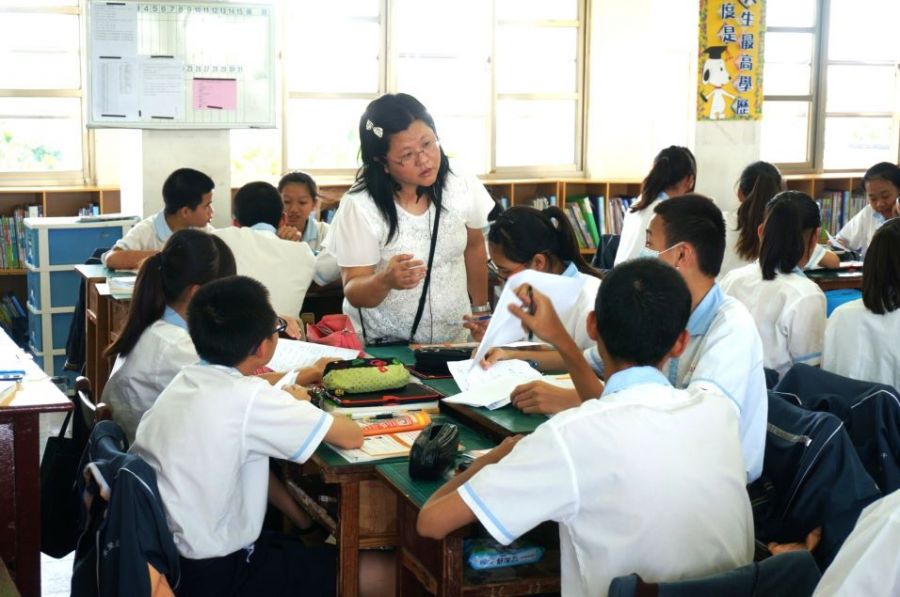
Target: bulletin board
point(180, 65)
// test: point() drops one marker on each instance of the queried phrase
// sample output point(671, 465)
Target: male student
point(209, 437)
point(187, 194)
point(724, 349)
point(285, 267)
point(646, 479)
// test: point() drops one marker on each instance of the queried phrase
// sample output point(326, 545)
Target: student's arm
point(830, 260)
point(806, 320)
point(121, 259)
point(364, 287)
point(547, 360)
point(476, 267)
point(344, 433)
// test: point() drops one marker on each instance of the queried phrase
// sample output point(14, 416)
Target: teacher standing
point(405, 206)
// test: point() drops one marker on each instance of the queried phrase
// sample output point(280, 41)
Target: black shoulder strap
point(434, 236)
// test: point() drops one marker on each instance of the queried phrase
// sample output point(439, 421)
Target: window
point(42, 137)
point(832, 89)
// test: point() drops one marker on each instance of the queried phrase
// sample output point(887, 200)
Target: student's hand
point(493, 355)
point(542, 319)
point(540, 397)
point(298, 392)
point(476, 326)
point(812, 540)
point(500, 452)
point(312, 375)
point(294, 327)
point(403, 272)
point(289, 233)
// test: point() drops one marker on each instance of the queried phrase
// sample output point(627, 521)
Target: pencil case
point(433, 359)
point(361, 376)
point(484, 554)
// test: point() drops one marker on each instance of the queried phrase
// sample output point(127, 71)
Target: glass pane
point(37, 3)
point(790, 13)
point(536, 59)
point(861, 89)
point(317, 10)
point(785, 130)
point(320, 60)
point(40, 134)
point(857, 143)
point(466, 140)
point(786, 79)
point(447, 85)
point(39, 51)
point(537, 9)
point(535, 132)
point(323, 133)
point(789, 48)
point(255, 155)
point(864, 30)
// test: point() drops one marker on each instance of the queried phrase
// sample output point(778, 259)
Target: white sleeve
point(479, 205)
point(280, 426)
point(832, 339)
point(815, 258)
point(534, 483)
point(806, 329)
point(352, 237)
point(141, 237)
point(177, 356)
point(853, 232)
point(327, 268)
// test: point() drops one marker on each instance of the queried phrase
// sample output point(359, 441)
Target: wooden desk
point(836, 279)
point(96, 325)
point(20, 503)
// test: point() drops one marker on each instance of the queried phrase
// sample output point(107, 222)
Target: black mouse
point(434, 451)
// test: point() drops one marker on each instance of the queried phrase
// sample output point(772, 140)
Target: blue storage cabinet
point(53, 247)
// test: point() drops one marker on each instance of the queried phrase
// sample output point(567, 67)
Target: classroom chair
point(811, 477)
point(90, 412)
point(791, 574)
point(125, 547)
point(605, 257)
point(870, 411)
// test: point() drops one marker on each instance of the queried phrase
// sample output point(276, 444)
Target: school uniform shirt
point(863, 345)
point(150, 234)
point(139, 377)
point(358, 238)
point(314, 233)
point(858, 232)
point(209, 438)
point(789, 312)
point(284, 267)
point(576, 319)
point(634, 231)
point(327, 268)
point(868, 563)
point(647, 479)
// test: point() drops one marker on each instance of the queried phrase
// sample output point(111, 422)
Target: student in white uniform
point(868, 562)
point(300, 195)
point(674, 173)
point(789, 309)
point(882, 184)
point(648, 479)
point(209, 438)
point(862, 338)
point(187, 194)
point(284, 267)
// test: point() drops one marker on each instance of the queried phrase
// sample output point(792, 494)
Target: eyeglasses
point(504, 273)
point(280, 325)
point(429, 148)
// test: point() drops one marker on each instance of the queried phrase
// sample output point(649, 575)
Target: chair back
point(89, 412)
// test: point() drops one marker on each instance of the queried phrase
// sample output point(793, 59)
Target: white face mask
point(649, 253)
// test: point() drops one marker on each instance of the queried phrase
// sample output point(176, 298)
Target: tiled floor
point(56, 575)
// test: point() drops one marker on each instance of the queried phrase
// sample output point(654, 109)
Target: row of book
point(13, 319)
point(837, 208)
point(592, 217)
point(12, 235)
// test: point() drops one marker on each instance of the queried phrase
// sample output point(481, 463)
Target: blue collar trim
point(662, 196)
point(571, 271)
point(311, 232)
point(172, 316)
point(702, 317)
point(263, 227)
point(634, 376)
point(163, 232)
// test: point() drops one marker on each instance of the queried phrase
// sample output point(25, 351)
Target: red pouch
point(334, 330)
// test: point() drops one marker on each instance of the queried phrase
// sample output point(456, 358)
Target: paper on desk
point(505, 327)
point(489, 388)
point(295, 354)
point(379, 447)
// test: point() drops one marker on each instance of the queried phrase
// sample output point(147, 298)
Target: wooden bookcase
point(815, 185)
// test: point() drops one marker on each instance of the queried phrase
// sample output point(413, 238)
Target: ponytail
point(791, 217)
point(759, 182)
point(671, 165)
point(189, 257)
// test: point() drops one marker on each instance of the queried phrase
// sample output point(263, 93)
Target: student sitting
point(862, 337)
point(882, 184)
point(286, 268)
point(209, 438)
point(647, 479)
point(187, 194)
point(789, 309)
point(300, 194)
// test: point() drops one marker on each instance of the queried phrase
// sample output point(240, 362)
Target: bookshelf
point(840, 196)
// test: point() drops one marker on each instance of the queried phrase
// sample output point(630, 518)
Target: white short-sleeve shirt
point(634, 231)
point(576, 319)
point(868, 562)
point(150, 234)
point(789, 312)
point(863, 345)
point(284, 267)
point(315, 233)
point(327, 268)
point(358, 238)
point(209, 438)
point(647, 479)
point(858, 232)
point(140, 377)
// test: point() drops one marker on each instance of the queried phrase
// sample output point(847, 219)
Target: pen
point(384, 416)
point(531, 310)
point(478, 318)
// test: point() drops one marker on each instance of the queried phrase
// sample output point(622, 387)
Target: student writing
point(882, 185)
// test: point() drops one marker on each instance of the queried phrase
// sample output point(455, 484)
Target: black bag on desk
point(433, 360)
point(59, 492)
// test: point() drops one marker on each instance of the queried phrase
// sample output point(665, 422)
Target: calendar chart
point(180, 65)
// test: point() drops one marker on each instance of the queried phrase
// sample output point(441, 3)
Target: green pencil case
point(363, 376)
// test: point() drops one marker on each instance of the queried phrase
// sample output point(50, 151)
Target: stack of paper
point(294, 354)
point(489, 388)
point(379, 447)
point(121, 285)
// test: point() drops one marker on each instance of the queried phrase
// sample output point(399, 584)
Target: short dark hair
point(185, 188)
point(791, 216)
point(883, 171)
point(257, 202)
point(695, 219)
point(228, 318)
point(641, 308)
point(300, 177)
point(881, 270)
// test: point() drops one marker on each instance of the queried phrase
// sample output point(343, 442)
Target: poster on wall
point(731, 51)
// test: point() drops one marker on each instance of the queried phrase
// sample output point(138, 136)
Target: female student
point(406, 203)
point(526, 238)
point(789, 309)
point(300, 194)
point(882, 184)
point(674, 173)
point(861, 339)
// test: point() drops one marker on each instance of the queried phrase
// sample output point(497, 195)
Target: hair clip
point(554, 222)
point(377, 130)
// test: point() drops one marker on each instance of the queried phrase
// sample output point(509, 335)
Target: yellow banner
point(731, 51)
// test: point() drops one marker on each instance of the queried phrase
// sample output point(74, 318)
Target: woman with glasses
point(407, 204)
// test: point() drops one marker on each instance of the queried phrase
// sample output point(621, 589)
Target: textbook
point(364, 412)
point(379, 447)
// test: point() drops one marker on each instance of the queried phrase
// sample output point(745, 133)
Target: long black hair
point(759, 182)
point(881, 270)
point(189, 257)
point(670, 165)
point(791, 217)
point(523, 232)
point(385, 116)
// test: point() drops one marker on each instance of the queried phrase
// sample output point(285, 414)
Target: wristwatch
point(485, 308)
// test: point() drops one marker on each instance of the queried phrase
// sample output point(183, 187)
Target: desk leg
point(26, 495)
point(101, 369)
point(348, 540)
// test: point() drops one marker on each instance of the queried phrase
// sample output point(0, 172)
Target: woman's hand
point(403, 272)
point(540, 397)
point(477, 325)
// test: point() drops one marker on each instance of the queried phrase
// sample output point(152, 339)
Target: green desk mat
point(397, 474)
